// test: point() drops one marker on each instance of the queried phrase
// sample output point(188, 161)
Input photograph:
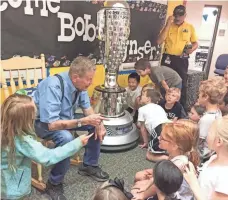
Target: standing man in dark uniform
point(180, 41)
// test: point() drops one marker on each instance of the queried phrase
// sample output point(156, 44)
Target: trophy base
point(121, 133)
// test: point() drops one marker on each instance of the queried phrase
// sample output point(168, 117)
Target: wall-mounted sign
point(62, 30)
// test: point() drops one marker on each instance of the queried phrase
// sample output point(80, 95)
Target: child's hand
point(137, 195)
point(190, 177)
point(144, 145)
point(148, 175)
point(175, 120)
point(139, 188)
point(190, 174)
point(85, 138)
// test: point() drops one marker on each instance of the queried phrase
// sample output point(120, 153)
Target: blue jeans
point(61, 137)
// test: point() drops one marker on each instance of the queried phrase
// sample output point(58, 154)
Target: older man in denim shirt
point(56, 100)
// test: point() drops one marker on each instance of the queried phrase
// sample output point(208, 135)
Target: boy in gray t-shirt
point(163, 76)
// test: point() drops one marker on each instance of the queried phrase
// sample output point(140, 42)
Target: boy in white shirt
point(213, 178)
point(133, 91)
point(151, 117)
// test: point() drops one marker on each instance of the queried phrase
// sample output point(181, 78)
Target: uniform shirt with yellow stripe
point(177, 37)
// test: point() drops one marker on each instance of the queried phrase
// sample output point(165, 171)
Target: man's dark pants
point(61, 137)
point(180, 65)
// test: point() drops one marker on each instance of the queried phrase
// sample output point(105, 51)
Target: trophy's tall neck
point(115, 29)
point(113, 32)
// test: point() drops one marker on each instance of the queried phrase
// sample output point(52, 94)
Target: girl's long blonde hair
point(185, 134)
point(18, 113)
point(220, 127)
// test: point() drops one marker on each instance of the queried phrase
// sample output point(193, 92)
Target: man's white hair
point(81, 65)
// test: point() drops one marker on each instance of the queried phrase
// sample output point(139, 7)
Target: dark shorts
point(153, 145)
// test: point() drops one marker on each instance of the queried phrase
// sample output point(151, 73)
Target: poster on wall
point(62, 30)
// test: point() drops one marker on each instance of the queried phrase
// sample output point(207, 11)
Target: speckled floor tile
point(122, 165)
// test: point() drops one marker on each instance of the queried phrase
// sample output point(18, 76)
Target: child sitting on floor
point(196, 113)
point(144, 88)
point(180, 140)
point(167, 180)
point(171, 103)
point(211, 93)
point(19, 147)
point(138, 103)
point(213, 178)
point(151, 117)
point(133, 91)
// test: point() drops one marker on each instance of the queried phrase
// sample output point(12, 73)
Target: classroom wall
point(172, 5)
point(122, 78)
point(194, 16)
point(100, 73)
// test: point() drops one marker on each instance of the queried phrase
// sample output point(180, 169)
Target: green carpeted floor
point(122, 165)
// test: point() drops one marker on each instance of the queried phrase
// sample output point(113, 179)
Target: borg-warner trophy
point(113, 31)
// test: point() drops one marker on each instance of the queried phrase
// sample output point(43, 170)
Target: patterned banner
point(62, 30)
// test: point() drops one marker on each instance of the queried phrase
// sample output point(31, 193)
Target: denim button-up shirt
point(48, 99)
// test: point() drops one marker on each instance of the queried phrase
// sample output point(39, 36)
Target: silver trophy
point(113, 31)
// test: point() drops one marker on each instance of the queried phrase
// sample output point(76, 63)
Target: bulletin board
point(62, 30)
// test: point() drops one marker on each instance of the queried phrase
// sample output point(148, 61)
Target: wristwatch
point(79, 123)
